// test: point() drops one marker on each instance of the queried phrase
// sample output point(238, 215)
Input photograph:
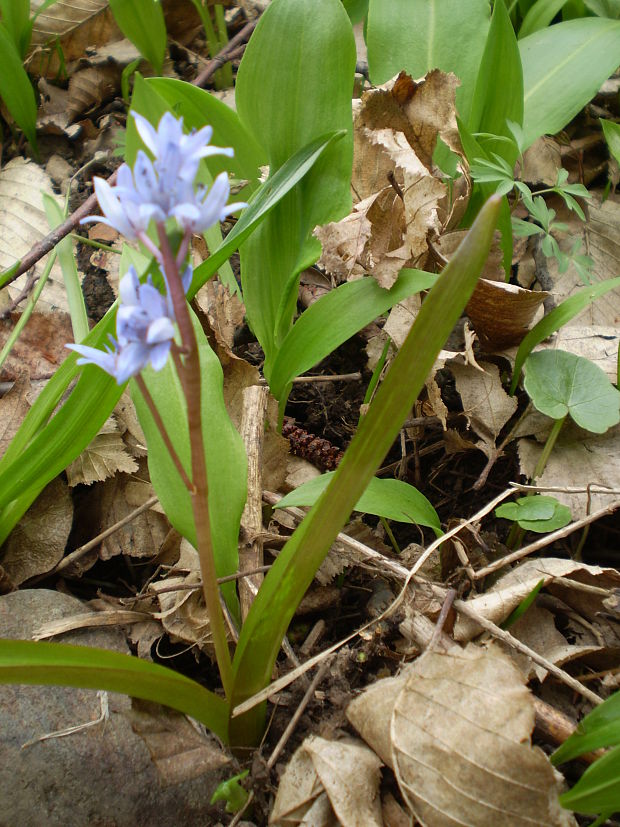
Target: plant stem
point(190, 379)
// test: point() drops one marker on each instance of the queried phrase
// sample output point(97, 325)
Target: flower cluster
point(155, 191)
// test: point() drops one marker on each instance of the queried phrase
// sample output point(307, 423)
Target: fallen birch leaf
point(505, 595)
point(345, 773)
point(105, 456)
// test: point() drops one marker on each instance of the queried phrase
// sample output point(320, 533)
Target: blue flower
point(144, 332)
point(163, 188)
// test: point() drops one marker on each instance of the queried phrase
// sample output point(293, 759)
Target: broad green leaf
point(224, 451)
point(561, 383)
point(599, 728)
point(16, 20)
point(420, 35)
point(335, 318)
point(540, 16)
point(142, 21)
point(539, 513)
point(554, 320)
point(61, 664)
point(298, 561)
point(604, 8)
point(356, 9)
point(392, 499)
point(198, 107)
point(563, 68)
point(611, 131)
point(285, 101)
point(598, 789)
point(16, 90)
point(498, 95)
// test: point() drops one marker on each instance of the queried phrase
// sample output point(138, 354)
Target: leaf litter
point(463, 716)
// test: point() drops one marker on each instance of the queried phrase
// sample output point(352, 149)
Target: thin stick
point(226, 54)
point(544, 541)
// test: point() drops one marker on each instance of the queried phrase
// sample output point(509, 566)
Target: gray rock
point(143, 766)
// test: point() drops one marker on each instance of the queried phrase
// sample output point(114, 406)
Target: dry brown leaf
point(178, 749)
point(578, 459)
point(506, 594)
point(117, 497)
point(502, 313)
point(14, 406)
point(23, 223)
point(38, 541)
point(338, 779)
point(486, 404)
point(40, 349)
point(105, 456)
point(541, 162)
point(224, 311)
point(460, 734)
point(537, 629)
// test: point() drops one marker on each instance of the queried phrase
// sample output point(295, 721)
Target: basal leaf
point(61, 664)
point(599, 728)
point(539, 513)
point(142, 21)
point(611, 131)
point(560, 383)
point(224, 451)
point(563, 68)
point(539, 16)
point(598, 789)
point(335, 318)
point(420, 35)
point(15, 88)
point(392, 499)
point(285, 101)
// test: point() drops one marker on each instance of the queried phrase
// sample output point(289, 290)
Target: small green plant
point(538, 513)
point(232, 793)
point(598, 790)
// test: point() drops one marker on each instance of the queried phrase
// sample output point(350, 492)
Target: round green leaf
point(539, 513)
point(561, 383)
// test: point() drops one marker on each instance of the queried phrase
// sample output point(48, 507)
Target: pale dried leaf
point(541, 162)
point(486, 404)
point(371, 713)
point(14, 406)
point(505, 595)
point(40, 348)
point(38, 541)
point(578, 460)
point(89, 87)
point(183, 612)
point(118, 497)
point(105, 456)
point(537, 629)
point(597, 343)
point(224, 311)
point(401, 319)
point(329, 783)
point(461, 744)
point(23, 223)
point(350, 774)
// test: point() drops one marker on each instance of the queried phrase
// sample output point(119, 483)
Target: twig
point(30, 283)
point(545, 541)
point(226, 54)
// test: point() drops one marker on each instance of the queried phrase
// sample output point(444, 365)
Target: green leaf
point(61, 664)
point(498, 95)
point(560, 383)
point(335, 318)
point(563, 68)
point(554, 320)
point(539, 513)
point(64, 249)
point(298, 561)
point(198, 107)
point(611, 131)
point(420, 35)
point(16, 90)
point(224, 451)
point(285, 101)
point(16, 20)
point(356, 9)
point(598, 789)
point(142, 21)
point(604, 8)
point(523, 606)
point(392, 499)
point(599, 728)
point(540, 16)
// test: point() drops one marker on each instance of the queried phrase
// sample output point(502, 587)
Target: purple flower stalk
point(144, 332)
